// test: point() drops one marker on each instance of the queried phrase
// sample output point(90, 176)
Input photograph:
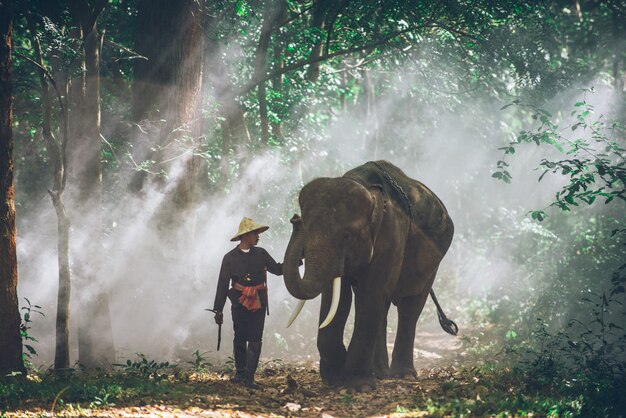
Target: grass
point(96, 390)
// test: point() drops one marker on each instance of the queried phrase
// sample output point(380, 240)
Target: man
point(245, 268)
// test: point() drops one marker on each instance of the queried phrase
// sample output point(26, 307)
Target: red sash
point(249, 297)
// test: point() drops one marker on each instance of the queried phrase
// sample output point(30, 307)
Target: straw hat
point(248, 225)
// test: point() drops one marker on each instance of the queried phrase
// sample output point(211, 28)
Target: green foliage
point(95, 391)
point(502, 392)
point(594, 161)
point(29, 309)
point(149, 369)
point(436, 58)
point(199, 362)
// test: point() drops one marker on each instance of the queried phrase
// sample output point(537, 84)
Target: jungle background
point(143, 131)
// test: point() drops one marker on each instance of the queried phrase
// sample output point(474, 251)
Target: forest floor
point(287, 389)
point(444, 387)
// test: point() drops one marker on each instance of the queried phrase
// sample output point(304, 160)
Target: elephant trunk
point(310, 286)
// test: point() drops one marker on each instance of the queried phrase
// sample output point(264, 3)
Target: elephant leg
point(369, 315)
point(381, 357)
point(330, 339)
point(409, 310)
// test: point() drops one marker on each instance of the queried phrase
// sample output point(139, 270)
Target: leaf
point(241, 9)
point(538, 215)
point(579, 104)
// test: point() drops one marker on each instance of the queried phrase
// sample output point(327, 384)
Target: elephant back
point(426, 211)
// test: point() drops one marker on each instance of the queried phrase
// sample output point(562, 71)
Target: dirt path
point(288, 390)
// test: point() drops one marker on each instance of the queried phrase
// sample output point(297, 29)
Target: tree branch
point(134, 54)
point(45, 71)
point(303, 63)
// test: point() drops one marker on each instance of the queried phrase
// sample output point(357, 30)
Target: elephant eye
point(346, 235)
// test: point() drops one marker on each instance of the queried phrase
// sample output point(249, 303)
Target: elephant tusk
point(295, 312)
point(334, 303)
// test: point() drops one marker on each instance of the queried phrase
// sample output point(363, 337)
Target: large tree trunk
point(95, 336)
point(10, 338)
point(167, 95)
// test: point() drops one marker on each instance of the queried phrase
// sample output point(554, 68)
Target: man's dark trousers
point(248, 327)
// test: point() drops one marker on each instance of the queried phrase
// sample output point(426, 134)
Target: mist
point(160, 285)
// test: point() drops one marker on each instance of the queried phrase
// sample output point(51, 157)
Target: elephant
point(381, 235)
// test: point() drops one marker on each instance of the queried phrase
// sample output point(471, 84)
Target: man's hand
point(219, 318)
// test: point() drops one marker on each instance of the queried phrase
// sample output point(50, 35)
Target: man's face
point(251, 238)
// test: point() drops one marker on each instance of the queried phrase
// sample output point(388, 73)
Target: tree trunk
point(372, 136)
point(277, 82)
point(10, 339)
point(618, 59)
point(95, 336)
point(318, 23)
point(344, 88)
point(260, 68)
point(277, 85)
point(235, 132)
point(167, 94)
point(55, 153)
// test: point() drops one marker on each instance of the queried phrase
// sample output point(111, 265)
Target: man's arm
point(222, 286)
point(272, 266)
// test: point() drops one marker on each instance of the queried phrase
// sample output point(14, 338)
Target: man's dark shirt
point(247, 269)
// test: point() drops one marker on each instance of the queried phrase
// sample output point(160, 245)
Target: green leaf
point(511, 335)
point(538, 215)
point(241, 9)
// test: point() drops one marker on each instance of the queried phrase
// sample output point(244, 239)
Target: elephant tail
point(448, 325)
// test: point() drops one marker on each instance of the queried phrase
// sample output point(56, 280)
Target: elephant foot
point(382, 372)
point(332, 376)
point(403, 372)
point(361, 383)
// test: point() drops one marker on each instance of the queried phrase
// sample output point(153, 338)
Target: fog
point(159, 286)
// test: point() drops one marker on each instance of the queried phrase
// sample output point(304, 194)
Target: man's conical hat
point(248, 225)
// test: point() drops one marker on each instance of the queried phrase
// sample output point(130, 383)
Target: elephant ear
point(378, 193)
